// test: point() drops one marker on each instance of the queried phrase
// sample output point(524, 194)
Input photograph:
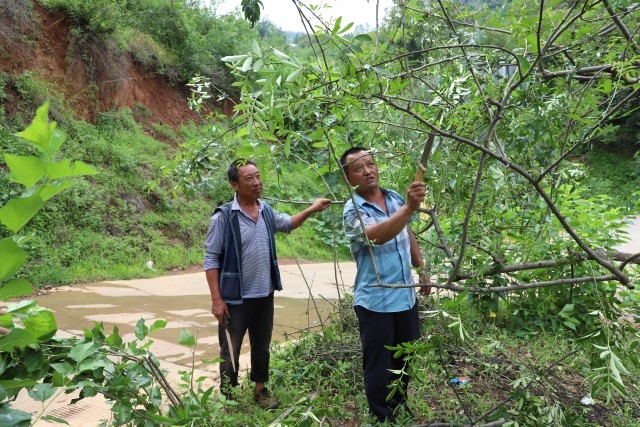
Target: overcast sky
point(284, 14)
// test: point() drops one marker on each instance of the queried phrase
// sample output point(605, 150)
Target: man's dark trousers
point(256, 316)
point(376, 331)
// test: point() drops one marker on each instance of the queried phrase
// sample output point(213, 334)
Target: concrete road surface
point(184, 302)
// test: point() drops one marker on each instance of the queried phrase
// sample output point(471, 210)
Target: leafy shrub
point(35, 90)
point(116, 120)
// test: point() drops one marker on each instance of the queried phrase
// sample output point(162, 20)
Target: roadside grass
point(616, 174)
point(321, 237)
point(315, 240)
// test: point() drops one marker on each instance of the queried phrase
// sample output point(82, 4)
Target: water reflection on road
point(75, 310)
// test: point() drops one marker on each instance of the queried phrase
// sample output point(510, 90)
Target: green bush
point(33, 91)
point(616, 175)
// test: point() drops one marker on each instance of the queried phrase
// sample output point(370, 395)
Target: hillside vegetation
point(115, 75)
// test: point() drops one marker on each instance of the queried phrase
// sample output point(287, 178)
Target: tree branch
point(496, 289)
point(623, 28)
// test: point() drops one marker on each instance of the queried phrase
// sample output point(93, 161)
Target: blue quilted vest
point(231, 256)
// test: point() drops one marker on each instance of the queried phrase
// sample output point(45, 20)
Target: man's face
point(249, 184)
point(362, 170)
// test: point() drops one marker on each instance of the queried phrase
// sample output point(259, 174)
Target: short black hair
point(343, 158)
point(232, 172)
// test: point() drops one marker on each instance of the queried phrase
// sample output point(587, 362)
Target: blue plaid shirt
point(392, 259)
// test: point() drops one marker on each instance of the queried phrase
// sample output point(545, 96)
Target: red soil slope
point(93, 81)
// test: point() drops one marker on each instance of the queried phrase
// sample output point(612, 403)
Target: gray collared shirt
point(254, 237)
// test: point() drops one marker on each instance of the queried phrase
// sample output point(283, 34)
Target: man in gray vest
point(242, 272)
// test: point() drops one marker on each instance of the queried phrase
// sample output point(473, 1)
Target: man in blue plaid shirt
point(387, 317)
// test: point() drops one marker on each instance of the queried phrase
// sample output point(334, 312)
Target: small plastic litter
point(587, 400)
point(461, 380)
point(150, 265)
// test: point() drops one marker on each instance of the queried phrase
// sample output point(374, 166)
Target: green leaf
point(114, 340)
point(12, 258)
point(363, 37)
point(22, 307)
point(570, 325)
point(336, 26)
point(40, 131)
point(17, 212)
point(64, 368)
point(524, 64)
point(158, 324)
point(258, 65)
point(567, 311)
point(256, 47)
point(66, 169)
point(42, 392)
point(281, 55)
point(16, 384)
point(241, 132)
point(6, 321)
point(34, 361)
point(619, 364)
point(346, 28)
point(41, 323)
point(10, 417)
point(93, 364)
point(54, 419)
point(287, 147)
point(234, 58)
point(186, 338)
point(81, 351)
point(266, 135)
point(246, 66)
point(16, 338)
point(48, 191)
point(25, 170)
point(141, 329)
point(294, 75)
point(18, 287)
point(613, 368)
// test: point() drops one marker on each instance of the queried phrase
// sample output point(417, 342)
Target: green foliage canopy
point(512, 95)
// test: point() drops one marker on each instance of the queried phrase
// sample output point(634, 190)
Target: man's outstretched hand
point(320, 204)
point(424, 290)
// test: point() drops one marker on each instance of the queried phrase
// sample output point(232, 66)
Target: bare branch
point(495, 289)
point(623, 28)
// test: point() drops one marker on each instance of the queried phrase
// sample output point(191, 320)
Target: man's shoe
point(264, 398)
